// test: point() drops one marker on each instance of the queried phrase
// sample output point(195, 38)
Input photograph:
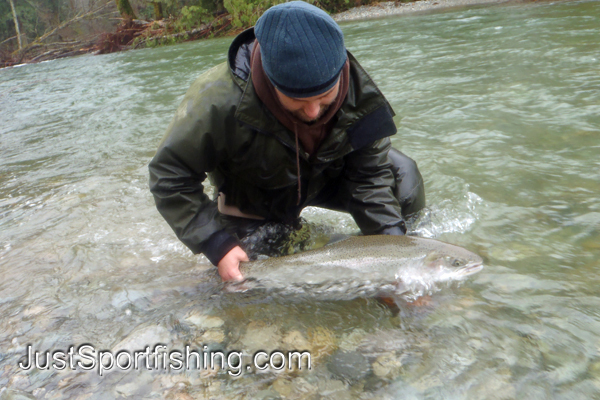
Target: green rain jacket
point(222, 129)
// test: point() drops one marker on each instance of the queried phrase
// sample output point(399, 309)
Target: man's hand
point(229, 266)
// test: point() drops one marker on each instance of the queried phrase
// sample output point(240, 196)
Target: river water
point(500, 107)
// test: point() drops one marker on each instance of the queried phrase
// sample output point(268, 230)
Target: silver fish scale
point(363, 266)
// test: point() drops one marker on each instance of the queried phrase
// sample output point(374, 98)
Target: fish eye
point(456, 263)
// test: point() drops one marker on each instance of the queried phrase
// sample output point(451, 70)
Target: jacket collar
point(363, 98)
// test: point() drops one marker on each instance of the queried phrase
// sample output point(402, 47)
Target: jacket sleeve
point(367, 186)
point(192, 147)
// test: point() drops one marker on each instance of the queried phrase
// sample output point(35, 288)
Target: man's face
point(309, 109)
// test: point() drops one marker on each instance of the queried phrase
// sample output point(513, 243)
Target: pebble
point(34, 310)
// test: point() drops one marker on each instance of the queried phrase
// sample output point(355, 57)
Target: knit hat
point(302, 48)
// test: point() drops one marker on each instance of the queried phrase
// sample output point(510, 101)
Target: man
point(291, 120)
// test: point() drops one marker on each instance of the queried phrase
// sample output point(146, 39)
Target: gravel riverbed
point(396, 8)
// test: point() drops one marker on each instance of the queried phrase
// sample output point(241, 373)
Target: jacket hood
point(238, 57)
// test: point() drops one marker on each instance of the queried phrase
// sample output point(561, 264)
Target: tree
point(12, 7)
point(125, 9)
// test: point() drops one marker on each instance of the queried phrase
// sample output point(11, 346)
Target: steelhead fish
point(364, 266)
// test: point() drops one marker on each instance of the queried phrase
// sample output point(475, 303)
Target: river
point(500, 107)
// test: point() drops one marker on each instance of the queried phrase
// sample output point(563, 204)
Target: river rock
point(204, 321)
point(11, 394)
point(383, 342)
point(137, 386)
point(260, 336)
point(34, 310)
point(349, 366)
point(294, 340)
point(19, 381)
point(322, 342)
point(178, 392)
point(350, 341)
point(125, 297)
point(334, 389)
point(143, 336)
point(302, 389)
point(387, 366)
point(213, 336)
point(167, 381)
point(283, 386)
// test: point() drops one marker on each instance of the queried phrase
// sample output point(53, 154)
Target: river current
point(499, 106)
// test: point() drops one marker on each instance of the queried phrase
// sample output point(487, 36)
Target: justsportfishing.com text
point(159, 357)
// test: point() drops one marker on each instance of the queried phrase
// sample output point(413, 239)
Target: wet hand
point(229, 266)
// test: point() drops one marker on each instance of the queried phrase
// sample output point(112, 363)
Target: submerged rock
point(142, 337)
point(349, 366)
point(11, 394)
point(213, 336)
point(203, 321)
point(349, 342)
point(294, 340)
point(387, 366)
point(260, 336)
point(322, 342)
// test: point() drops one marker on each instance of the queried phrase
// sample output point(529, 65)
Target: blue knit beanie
point(301, 47)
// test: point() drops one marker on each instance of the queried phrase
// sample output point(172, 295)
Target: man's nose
point(311, 109)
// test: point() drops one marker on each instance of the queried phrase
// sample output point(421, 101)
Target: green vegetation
point(56, 28)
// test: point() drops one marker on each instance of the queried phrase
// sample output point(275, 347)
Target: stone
point(203, 321)
point(260, 336)
point(331, 387)
point(349, 366)
point(142, 337)
point(294, 340)
point(349, 342)
point(213, 336)
point(383, 342)
point(266, 394)
point(167, 381)
point(283, 387)
point(11, 394)
point(302, 389)
point(33, 310)
point(387, 366)
point(322, 342)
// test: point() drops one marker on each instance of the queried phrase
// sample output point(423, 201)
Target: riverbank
point(136, 34)
point(389, 8)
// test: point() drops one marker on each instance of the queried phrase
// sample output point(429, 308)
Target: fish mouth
point(471, 268)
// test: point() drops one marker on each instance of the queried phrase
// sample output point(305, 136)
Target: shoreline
point(367, 12)
point(390, 8)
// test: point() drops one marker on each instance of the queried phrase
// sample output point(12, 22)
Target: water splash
point(446, 217)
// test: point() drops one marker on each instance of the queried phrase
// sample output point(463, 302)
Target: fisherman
point(291, 120)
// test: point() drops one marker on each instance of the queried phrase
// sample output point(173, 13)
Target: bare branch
point(78, 17)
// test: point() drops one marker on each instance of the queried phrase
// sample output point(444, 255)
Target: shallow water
point(500, 107)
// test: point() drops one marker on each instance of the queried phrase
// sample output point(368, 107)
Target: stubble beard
point(311, 121)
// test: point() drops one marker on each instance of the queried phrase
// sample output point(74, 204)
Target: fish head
point(452, 265)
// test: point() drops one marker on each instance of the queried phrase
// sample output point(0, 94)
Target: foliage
point(245, 13)
point(191, 17)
